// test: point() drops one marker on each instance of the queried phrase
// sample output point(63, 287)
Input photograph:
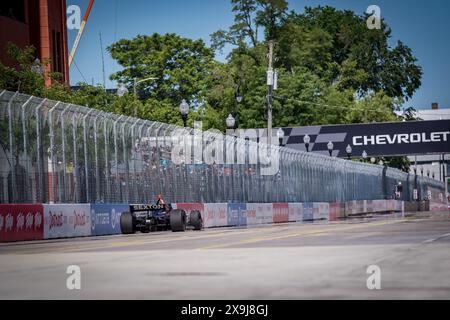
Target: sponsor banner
point(21, 222)
point(342, 210)
point(379, 205)
point(360, 206)
point(335, 211)
point(259, 213)
point(351, 207)
point(437, 206)
point(308, 214)
point(237, 215)
point(390, 205)
point(280, 212)
point(295, 212)
point(368, 206)
point(105, 218)
point(66, 220)
point(215, 215)
point(377, 139)
point(321, 210)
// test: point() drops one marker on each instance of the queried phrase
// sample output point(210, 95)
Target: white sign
point(295, 212)
point(66, 220)
point(259, 213)
point(215, 215)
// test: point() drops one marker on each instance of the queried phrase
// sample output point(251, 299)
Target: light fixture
point(122, 90)
point(184, 109)
point(230, 121)
point(306, 141)
point(349, 151)
point(330, 147)
point(280, 135)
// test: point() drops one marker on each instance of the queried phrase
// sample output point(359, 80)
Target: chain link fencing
point(54, 152)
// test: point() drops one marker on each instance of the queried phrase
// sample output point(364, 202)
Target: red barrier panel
point(280, 212)
point(335, 211)
point(21, 222)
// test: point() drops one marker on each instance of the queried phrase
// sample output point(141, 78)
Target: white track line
point(437, 238)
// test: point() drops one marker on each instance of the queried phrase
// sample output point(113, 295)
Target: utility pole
point(270, 91)
point(103, 61)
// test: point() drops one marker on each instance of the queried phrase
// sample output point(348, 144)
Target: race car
point(158, 217)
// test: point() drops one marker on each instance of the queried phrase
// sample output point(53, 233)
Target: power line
point(76, 66)
point(328, 106)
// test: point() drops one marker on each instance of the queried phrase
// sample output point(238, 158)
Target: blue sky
point(422, 25)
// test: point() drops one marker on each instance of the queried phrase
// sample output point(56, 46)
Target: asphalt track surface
point(283, 261)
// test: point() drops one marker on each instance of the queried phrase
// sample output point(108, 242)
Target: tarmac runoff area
point(283, 261)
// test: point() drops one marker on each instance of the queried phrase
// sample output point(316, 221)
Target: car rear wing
point(146, 207)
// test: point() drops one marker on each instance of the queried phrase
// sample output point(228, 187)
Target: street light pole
point(269, 96)
point(184, 109)
point(306, 141)
point(330, 147)
point(349, 152)
point(135, 85)
point(280, 134)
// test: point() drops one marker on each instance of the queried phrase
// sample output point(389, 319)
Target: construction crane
point(80, 32)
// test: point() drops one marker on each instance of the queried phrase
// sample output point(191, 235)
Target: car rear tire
point(178, 220)
point(196, 220)
point(127, 222)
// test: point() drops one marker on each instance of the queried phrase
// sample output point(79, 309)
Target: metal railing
point(53, 152)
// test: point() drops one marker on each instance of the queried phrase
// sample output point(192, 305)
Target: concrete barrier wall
point(50, 221)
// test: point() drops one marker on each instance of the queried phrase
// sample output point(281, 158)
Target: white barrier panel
point(379, 205)
point(321, 211)
point(66, 220)
point(295, 212)
point(259, 213)
point(350, 207)
point(215, 215)
point(438, 206)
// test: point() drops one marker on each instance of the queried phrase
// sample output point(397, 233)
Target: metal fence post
point(106, 198)
point(116, 155)
point(11, 157)
point(64, 164)
point(52, 152)
point(25, 151)
point(75, 159)
point(86, 169)
point(41, 197)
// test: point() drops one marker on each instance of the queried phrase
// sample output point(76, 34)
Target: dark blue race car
point(158, 217)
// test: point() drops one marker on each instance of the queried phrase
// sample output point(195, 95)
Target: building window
point(13, 9)
point(57, 52)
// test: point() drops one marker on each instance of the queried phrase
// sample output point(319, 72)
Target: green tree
point(180, 65)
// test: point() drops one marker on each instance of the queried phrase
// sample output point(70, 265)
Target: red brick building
point(40, 23)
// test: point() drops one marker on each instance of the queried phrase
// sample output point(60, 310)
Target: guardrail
point(20, 222)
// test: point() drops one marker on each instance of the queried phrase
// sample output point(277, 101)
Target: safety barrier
point(54, 152)
point(50, 221)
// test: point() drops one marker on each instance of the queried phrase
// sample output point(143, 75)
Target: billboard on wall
point(21, 222)
point(237, 214)
point(259, 213)
point(215, 215)
point(377, 139)
point(66, 220)
point(105, 218)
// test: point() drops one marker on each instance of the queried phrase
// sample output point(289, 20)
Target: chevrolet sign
point(377, 139)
